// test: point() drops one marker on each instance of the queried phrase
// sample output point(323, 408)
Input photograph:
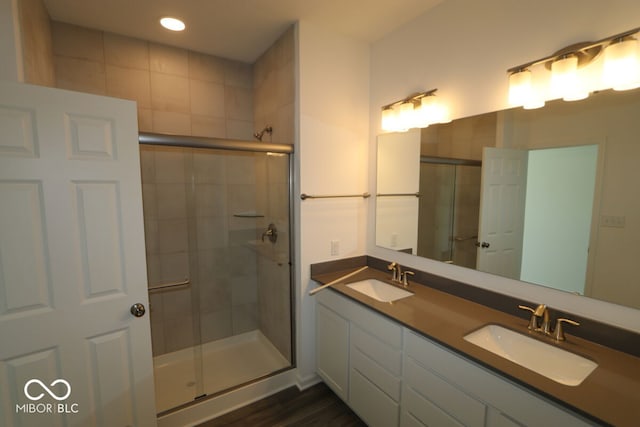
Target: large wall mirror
point(548, 196)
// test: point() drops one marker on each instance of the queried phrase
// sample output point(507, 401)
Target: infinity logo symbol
point(47, 389)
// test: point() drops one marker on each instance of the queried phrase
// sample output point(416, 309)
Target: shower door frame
point(454, 162)
point(184, 141)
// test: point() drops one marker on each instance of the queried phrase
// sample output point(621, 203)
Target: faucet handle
point(393, 267)
point(404, 279)
point(533, 323)
point(558, 332)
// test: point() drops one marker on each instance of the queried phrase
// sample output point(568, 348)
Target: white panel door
point(502, 204)
point(72, 262)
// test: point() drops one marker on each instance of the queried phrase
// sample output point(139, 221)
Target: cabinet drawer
point(418, 411)
point(370, 403)
point(377, 325)
point(448, 398)
point(375, 373)
point(386, 356)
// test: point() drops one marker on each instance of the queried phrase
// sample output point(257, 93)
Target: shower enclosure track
point(215, 143)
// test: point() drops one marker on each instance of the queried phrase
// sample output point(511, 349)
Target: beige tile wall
point(37, 51)
point(274, 89)
point(178, 91)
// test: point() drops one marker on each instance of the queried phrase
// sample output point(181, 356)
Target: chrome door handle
point(482, 245)
point(138, 309)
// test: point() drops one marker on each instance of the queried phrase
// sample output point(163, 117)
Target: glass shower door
point(217, 234)
point(242, 228)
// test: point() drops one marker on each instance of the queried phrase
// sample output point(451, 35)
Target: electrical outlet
point(394, 240)
point(335, 247)
point(612, 221)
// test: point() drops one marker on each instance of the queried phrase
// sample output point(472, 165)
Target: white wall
point(331, 158)
point(463, 48)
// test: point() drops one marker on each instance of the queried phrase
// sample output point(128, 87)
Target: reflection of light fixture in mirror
point(571, 66)
point(621, 68)
point(173, 24)
point(416, 111)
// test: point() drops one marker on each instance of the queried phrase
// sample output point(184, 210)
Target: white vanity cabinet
point(375, 362)
point(365, 369)
point(332, 343)
point(390, 375)
point(459, 392)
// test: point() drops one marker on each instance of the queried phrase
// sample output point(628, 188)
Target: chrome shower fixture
point(268, 129)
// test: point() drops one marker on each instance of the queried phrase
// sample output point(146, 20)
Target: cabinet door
point(332, 350)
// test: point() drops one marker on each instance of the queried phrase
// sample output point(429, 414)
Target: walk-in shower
point(217, 226)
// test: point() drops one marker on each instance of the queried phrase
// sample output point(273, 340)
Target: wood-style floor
point(317, 406)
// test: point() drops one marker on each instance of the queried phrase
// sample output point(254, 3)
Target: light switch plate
point(612, 221)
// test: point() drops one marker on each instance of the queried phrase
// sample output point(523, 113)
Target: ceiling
point(237, 29)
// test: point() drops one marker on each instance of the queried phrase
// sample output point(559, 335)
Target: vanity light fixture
point(416, 111)
point(577, 70)
point(621, 64)
point(521, 90)
point(173, 24)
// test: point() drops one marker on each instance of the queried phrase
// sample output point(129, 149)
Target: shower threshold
point(226, 363)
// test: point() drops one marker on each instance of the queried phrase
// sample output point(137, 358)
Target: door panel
point(502, 203)
point(72, 261)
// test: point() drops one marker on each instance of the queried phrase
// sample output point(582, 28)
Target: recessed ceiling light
point(172, 24)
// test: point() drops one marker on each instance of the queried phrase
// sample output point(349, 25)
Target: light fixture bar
point(411, 98)
point(574, 49)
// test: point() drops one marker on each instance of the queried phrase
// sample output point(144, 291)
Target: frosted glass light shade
point(389, 120)
point(565, 79)
point(432, 110)
point(621, 69)
point(405, 116)
point(520, 90)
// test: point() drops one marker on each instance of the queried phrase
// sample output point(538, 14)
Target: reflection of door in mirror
point(449, 203)
point(502, 204)
point(536, 214)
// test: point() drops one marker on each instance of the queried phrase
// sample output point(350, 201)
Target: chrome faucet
point(542, 312)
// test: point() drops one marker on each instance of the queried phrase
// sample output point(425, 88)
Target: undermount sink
point(378, 290)
point(552, 362)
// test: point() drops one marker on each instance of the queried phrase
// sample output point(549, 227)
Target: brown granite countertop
point(610, 394)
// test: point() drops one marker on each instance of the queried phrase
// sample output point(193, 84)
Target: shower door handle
point(138, 309)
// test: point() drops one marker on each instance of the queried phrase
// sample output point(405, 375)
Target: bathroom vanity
point(407, 363)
